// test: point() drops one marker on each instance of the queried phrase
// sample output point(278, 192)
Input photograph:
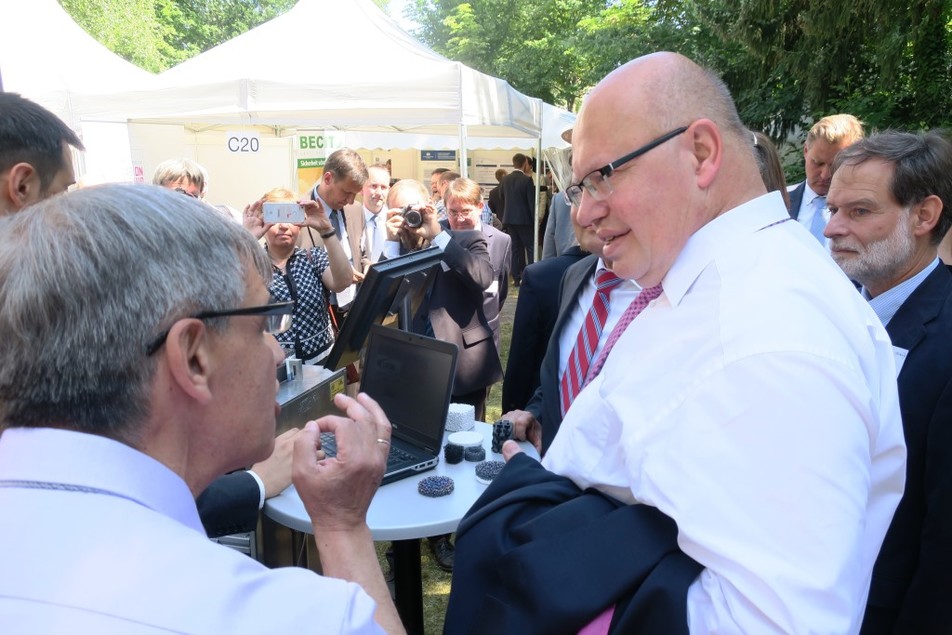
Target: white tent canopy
point(48, 58)
point(45, 56)
point(328, 65)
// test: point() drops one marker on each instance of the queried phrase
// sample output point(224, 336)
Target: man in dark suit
point(495, 195)
point(826, 138)
point(463, 202)
point(518, 217)
point(891, 205)
point(533, 324)
point(455, 309)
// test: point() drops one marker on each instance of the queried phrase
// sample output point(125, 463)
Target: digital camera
point(412, 216)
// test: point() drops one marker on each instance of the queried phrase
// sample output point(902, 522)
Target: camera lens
point(413, 218)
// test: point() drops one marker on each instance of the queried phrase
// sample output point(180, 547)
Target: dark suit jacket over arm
point(229, 505)
point(537, 555)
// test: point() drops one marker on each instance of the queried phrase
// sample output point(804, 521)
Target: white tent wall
point(236, 179)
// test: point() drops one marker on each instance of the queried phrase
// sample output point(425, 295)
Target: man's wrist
point(261, 488)
point(441, 239)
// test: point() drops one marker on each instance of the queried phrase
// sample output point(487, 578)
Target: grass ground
point(436, 583)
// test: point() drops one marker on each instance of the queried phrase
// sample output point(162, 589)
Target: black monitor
point(391, 294)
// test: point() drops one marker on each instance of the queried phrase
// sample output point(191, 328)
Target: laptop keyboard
point(395, 458)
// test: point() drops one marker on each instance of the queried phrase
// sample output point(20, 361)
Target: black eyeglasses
point(596, 182)
point(185, 192)
point(277, 314)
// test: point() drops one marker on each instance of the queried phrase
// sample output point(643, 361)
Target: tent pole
point(540, 175)
point(464, 172)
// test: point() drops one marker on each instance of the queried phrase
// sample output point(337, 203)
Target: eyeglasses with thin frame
point(277, 315)
point(182, 190)
point(462, 213)
point(596, 182)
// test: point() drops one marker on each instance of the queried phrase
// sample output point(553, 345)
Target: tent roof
point(45, 56)
point(332, 65)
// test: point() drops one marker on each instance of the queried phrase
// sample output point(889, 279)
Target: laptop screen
point(411, 377)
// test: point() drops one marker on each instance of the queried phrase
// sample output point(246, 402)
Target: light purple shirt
point(101, 538)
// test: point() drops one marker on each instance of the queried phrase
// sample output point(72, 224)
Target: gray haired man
point(137, 366)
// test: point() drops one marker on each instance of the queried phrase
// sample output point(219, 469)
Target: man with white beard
point(891, 205)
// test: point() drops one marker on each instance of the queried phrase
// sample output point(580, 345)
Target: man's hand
point(337, 491)
point(510, 449)
point(275, 471)
point(525, 427)
point(394, 223)
point(431, 223)
point(253, 220)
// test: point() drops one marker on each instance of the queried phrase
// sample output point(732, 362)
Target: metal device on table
point(308, 395)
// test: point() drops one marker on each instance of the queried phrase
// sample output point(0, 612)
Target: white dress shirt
point(123, 552)
point(754, 402)
point(620, 298)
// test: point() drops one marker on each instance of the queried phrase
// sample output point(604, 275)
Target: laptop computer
point(411, 377)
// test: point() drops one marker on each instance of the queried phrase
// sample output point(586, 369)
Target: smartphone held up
point(274, 212)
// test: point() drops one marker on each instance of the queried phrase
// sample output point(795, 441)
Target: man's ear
point(21, 185)
point(188, 356)
point(708, 149)
point(927, 214)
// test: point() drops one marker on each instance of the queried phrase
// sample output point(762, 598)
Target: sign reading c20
point(243, 142)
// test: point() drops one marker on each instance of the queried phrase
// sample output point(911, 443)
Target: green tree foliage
point(537, 46)
point(157, 34)
point(787, 62)
point(129, 28)
point(198, 25)
point(887, 61)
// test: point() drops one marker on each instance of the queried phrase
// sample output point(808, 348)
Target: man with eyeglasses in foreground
point(230, 504)
point(129, 380)
point(739, 442)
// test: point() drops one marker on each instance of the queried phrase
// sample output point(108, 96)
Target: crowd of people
point(741, 392)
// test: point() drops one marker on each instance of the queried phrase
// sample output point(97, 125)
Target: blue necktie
point(818, 224)
point(376, 244)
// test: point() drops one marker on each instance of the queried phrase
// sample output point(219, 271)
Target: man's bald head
point(654, 202)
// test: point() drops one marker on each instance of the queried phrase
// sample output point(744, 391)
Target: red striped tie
point(637, 306)
point(587, 341)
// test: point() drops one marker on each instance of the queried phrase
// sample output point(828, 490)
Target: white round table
point(399, 513)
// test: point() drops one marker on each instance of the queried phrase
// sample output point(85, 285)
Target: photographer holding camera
point(454, 309)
